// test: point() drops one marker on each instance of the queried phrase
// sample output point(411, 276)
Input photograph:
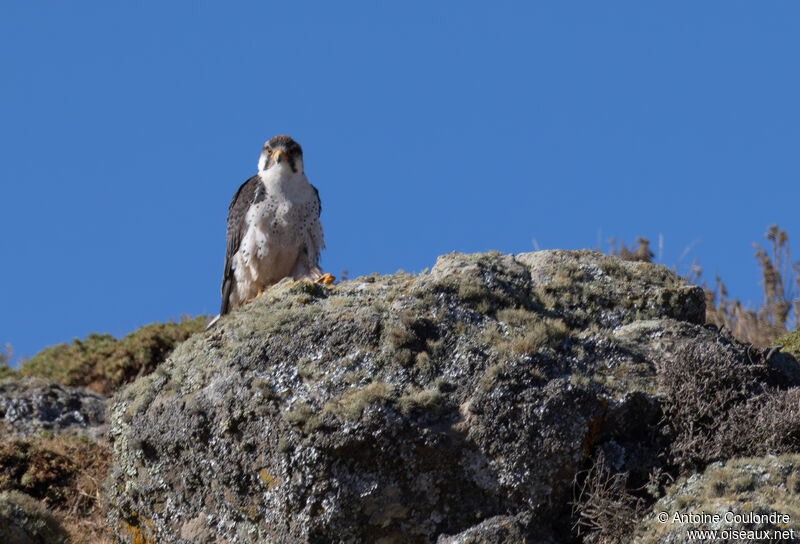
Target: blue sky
point(125, 129)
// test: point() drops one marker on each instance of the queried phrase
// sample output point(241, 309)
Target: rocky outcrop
point(457, 405)
point(29, 406)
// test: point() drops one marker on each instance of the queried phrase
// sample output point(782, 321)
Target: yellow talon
point(261, 291)
point(326, 279)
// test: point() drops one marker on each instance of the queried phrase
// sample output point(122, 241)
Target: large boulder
point(456, 405)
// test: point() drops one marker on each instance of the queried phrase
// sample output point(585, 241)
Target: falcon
point(274, 230)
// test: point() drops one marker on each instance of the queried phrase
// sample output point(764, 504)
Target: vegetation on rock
point(735, 495)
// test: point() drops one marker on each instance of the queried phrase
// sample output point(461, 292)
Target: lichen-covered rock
point(29, 406)
point(740, 500)
point(455, 405)
point(24, 520)
point(502, 530)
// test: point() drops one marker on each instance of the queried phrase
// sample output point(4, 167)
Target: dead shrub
point(766, 424)
point(717, 404)
point(605, 512)
point(640, 253)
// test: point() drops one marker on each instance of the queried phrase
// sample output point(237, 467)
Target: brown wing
point(249, 193)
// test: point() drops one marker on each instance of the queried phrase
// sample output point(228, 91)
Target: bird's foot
point(326, 279)
point(261, 291)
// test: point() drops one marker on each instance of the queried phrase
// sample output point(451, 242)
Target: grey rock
point(29, 406)
point(450, 406)
point(520, 529)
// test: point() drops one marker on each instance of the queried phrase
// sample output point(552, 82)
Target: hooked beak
point(278, 156)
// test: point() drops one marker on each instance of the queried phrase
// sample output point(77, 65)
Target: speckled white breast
point(278, 229)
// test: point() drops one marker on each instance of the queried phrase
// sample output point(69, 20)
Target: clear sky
point(428, 127)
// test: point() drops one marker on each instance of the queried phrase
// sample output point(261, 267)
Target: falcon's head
point(281, 152)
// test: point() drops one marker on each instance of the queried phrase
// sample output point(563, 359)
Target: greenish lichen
point(790, 343)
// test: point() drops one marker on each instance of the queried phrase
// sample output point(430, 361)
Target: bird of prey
point(274, 230)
